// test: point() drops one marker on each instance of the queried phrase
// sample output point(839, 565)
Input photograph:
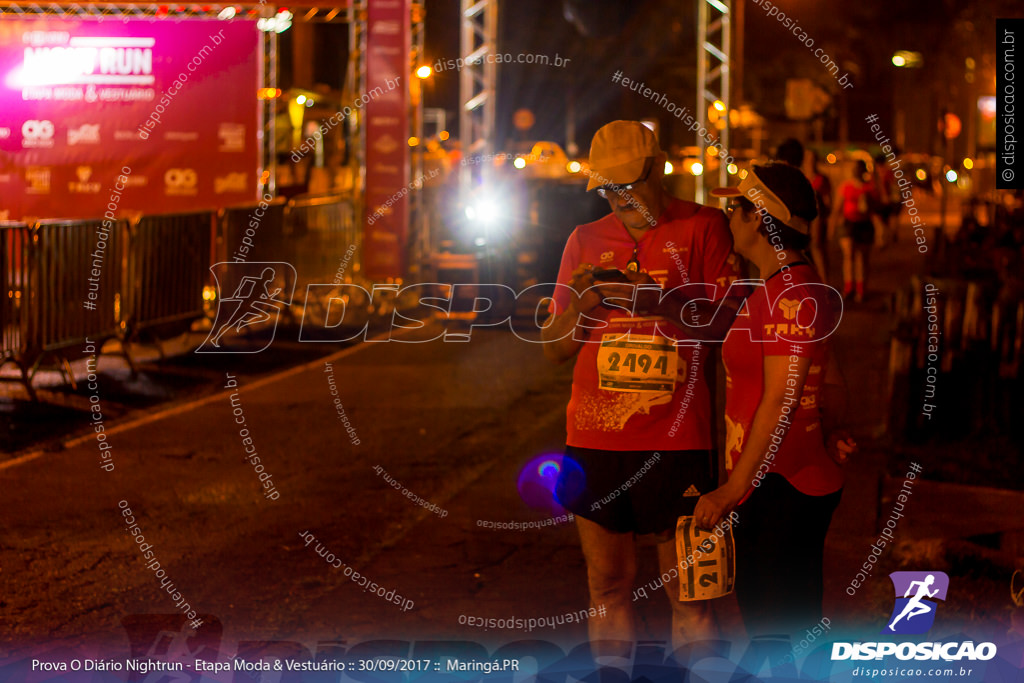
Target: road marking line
point(185, 407)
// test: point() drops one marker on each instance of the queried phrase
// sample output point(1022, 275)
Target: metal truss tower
point(714, 43)
point(478, 86)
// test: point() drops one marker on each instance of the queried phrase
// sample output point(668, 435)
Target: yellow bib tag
point(627, 365)
point(707, 560)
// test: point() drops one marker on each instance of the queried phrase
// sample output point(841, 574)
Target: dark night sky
point(653, 41)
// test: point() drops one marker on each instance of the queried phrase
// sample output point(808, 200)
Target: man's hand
point(582, 280)
point(714, 506)
point(648, 293)
point(592, 293)
point(841, 446)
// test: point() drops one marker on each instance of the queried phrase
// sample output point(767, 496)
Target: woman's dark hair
point(792, 240)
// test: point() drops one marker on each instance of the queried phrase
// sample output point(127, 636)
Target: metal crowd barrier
point(168, 267)
point(323, 241)
point(63, 282)
point(319, 232)
point(251, 233)
point(958, 344)
point(64, 285)
point(15, 240)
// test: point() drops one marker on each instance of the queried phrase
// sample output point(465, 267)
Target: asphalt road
point(454, 423)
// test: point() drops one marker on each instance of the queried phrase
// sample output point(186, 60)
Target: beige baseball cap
point(779, 189)
point(618, 152)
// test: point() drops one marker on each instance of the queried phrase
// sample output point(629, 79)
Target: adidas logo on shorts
point(691, 492)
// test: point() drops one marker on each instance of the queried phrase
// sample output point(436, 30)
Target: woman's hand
point(841, 446)
point(714, 506)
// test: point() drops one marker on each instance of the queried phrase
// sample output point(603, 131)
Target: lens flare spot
point(549, 468)
point(540, 475)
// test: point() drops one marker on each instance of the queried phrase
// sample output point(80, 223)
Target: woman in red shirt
point(857, 196)
point(782, 479)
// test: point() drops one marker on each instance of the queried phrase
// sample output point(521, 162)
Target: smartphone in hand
point(610, 275)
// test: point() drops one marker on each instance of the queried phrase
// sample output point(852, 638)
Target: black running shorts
point(640, 491)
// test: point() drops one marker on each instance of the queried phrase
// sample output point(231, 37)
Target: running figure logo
point(254, 300)
point(914, 612)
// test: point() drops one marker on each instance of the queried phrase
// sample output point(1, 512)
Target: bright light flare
point(968, 163)
point(951, 176)
point(573, 167)
point(423, 72)
point(519, 162)
point(697, 168)
point(669, 168)
point(537, 480)
point(732, 169)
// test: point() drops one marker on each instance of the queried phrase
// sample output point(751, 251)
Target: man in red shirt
point(639, 420)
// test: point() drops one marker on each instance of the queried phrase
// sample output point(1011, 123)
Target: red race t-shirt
point(791, 315)
point(634, 388)
point(857, 199)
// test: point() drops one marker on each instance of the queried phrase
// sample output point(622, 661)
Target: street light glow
point(908, 59)
point(423, 72)
point(718, 105)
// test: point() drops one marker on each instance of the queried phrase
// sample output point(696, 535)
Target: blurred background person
point(793, 153)
point(889, 201)
point(819, 226)
point(857, 195)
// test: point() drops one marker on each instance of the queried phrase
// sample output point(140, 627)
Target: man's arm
point(557, 335)
point(559, 331)
point(700, 318)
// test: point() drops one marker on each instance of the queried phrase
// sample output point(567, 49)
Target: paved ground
point(454, 423)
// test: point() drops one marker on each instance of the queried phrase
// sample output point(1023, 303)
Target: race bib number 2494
point(627, 365)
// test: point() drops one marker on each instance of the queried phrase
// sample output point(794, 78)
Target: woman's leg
point(846, 245)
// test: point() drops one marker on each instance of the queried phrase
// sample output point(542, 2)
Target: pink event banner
point(387, 139)
point(170, 105)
